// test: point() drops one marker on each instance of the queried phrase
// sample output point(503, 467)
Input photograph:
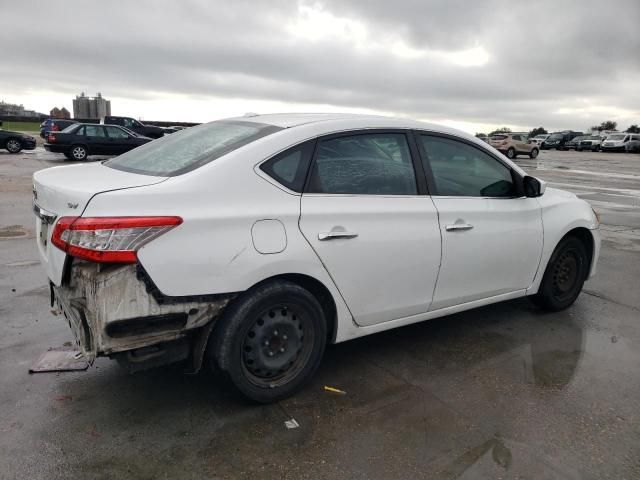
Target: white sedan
point(252, 242)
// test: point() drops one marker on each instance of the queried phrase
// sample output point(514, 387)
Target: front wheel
point(270, 340)
point(565, 275)
point(533, 153)
point(13, 145)
point(511, 152)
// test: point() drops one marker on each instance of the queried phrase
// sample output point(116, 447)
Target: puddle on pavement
point(13, 231)
point(22, 263)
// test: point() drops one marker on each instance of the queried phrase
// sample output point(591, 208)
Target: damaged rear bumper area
point(113, 311)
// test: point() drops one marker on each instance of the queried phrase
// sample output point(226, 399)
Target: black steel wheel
point(277, 345)
point(564, 276)
point(270, 340)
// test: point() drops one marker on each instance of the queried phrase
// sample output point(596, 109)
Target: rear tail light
point(51, 138)
point(109, 239)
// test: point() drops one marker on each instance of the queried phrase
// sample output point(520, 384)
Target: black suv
point(134, 125)
point(559, 140)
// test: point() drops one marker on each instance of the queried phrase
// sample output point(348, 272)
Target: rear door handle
point(458, 226)
point(334, 235)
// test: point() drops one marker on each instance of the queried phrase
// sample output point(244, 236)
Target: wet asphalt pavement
point(503, 391)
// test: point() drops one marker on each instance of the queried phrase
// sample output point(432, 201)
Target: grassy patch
point(21, 126)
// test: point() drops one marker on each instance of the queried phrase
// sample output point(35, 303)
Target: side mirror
point(533, 187)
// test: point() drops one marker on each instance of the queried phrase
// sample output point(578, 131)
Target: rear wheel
point(270, 340)
point(533, 153)
point(565, 275)
point(511, 152)
point(79, 152)
point(14, 145)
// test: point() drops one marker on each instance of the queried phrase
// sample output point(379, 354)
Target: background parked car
point(616, 142)
point(54, 125)
point(140, 128)
point(513, 144)
point(632, 146)
point(79, 141)
point(540, 139)
point(16, 141)
point(592, 142)
point(575, 142)
point(558, 140)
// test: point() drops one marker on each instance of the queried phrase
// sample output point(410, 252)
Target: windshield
point(556, 136)
point(615, 137)
point(189, 149)
point(594, 137)
point(498, 137)
point(542, 137)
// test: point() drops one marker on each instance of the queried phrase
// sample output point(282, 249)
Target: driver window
point(461, 170)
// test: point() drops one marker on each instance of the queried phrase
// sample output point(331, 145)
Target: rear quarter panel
point(213, 250)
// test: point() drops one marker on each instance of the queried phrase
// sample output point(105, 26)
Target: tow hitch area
point(111, 312)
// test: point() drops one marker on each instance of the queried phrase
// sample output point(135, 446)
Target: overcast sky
point(471, 64)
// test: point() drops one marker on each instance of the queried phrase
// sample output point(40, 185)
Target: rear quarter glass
point(189, 149)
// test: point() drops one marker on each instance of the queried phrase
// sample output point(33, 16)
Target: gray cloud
point(543, 56)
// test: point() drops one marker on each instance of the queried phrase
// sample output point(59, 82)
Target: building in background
point(15, 110)
point(91, 108)
point(59, 113)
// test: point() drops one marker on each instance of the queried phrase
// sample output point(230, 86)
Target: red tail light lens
point(109, 239)
point(51, 138)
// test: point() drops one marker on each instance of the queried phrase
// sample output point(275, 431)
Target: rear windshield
point(498, 137)
point(70, 128)
point(189, 149)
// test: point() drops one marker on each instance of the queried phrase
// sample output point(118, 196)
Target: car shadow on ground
point(400, 386)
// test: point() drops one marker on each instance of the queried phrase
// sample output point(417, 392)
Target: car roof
point(289, 120)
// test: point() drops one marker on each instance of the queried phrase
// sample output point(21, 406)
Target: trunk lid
point(66, 191)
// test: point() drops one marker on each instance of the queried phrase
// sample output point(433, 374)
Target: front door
point(375, 233)
point(491, 235)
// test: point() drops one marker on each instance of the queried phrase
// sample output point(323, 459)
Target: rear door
point(491, 234)
point(366, 214)
point(118, 140)
point(96, 139)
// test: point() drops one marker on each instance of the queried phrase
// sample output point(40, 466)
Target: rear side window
point(366, 164)
point(94, 131)
point(191, 148)
point(289, 168)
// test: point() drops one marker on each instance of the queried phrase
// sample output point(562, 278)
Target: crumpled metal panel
point(97, 295)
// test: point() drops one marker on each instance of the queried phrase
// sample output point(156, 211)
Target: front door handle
point(458, 226)
point(334, 235)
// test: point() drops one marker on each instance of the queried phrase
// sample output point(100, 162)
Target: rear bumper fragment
point(110, 310)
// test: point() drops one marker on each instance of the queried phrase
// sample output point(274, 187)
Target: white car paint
point(403, 266)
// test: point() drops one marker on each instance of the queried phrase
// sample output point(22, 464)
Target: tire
point(511, 153)
point(13, 145)
point(564, 276)
point(270, 340)
point(533, 153)
point(79, 152)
